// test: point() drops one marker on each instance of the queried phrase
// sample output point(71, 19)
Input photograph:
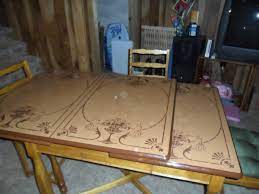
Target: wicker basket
point(154, 37)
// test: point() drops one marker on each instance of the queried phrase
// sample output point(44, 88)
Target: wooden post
point(168, 13)
point(94, 36)
point(161, 16)
point(79, 21)
point(12, 18)
point(215, 185)
point(71, 34)
point(135, 21)
point(47, 13)
point(62, 38)
point(145, 10)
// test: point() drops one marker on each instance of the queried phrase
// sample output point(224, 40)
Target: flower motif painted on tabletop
point(154, 144)
point(222, 159)
point(217, 156)
point(24, 112)
point(179, 139)
point(44, 126)
point(113, 126)
point(72, 129)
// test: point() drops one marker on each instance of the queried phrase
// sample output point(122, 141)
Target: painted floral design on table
point(21, 114)
point(111, 131)
point(153, 142)
point(114, 126)
point(44, 126)
point(219, 156)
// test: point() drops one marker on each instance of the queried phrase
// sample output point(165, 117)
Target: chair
point(154, 65)
point(58, 178)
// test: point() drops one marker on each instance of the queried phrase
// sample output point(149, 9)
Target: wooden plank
point(145, 10)
point(209, 24)
point(135, 21)
point(79, 24)
point(64, 57)
point(153, 65)
point(71, 34)
point(245, 182)
point(104, 159)
point(12, 17)
point(161, 15)
point(116, 183)
point(168, 13)
point(28, 16)
point(154, 13)
point(94, 36)
point(48, 16)
point(149, 52)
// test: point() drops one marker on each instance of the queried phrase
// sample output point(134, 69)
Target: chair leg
point(58, 175)
point(23, 158)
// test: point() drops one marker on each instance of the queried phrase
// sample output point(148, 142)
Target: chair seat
point(247, 147)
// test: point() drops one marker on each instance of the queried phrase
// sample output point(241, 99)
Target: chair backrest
point(28, 76)
point(154, 65)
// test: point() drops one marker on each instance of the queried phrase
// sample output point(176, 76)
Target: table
point(200, 148)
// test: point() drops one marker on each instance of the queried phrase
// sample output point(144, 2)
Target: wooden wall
point(159, 12)
point(64, 33)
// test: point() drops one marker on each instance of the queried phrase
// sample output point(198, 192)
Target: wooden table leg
point(41, 174)
point(137, 183)
point(58, 174)
point(215, 185)
point(23, 158)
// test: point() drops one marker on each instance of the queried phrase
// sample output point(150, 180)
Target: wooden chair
point(58, 178)
point(155, 65)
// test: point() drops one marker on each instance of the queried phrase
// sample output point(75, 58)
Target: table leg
point(58, 174)
point(23, 158)
point(41, 174)
point(215, 185)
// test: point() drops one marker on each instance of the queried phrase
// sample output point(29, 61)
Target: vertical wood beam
point(48, 15)
point(161, 15)
point(135, 21)
point(71, 34)
point(154, 12)
point(81, 37)
point(62, 40)
point(210, 21)
point(94, 36)
point(145, 12)
point(12, 17)
point(28, 16)
point(168, 13)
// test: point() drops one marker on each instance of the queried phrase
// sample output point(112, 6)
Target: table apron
point(103, 158)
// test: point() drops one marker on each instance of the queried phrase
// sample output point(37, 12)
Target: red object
point(181, 6)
